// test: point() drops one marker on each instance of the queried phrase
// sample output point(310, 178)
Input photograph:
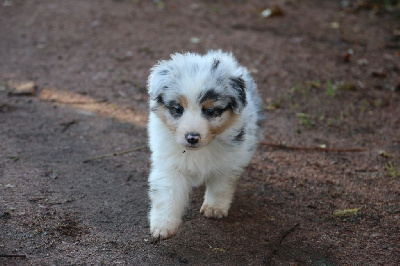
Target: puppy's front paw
point(213, 212)
point(163, 230)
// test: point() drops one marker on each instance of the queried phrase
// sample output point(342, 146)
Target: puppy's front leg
point(218, 196)
point(169, 195)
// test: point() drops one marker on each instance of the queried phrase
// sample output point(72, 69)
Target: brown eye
point(209, 112)
point(212, 112)
point(176, 111)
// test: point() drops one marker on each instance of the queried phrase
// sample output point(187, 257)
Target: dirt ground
point(328, 72)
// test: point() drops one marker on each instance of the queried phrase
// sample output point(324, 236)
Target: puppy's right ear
point(239, 100)
point(158, 82)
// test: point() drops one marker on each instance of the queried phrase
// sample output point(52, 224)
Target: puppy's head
point(197, 97)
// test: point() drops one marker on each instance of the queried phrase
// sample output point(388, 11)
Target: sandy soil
point(329, 76)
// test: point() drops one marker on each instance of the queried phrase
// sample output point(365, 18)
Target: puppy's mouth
point(192, 146)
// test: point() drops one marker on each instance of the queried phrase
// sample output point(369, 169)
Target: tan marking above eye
point(183, 101)
point(208, 104)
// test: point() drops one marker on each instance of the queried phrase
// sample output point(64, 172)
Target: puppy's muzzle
point(193, 139)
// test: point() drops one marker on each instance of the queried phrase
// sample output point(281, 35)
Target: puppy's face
point(197, 98)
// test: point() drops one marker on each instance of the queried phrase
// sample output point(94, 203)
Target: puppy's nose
point(192, 138)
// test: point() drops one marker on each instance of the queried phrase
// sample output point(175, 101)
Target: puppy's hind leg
point(218, 196)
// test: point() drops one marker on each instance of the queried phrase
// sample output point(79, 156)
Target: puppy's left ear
point(239, 100)
point(157, 82)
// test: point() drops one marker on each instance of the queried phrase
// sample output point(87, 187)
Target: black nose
point(192, 138)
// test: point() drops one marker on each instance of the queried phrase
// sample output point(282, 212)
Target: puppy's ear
point(239, 101)
point(157, 82)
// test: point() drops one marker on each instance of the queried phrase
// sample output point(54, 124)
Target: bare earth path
point(329, 75)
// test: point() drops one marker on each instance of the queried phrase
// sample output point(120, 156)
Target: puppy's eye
point(176, 111)
point(210, 112)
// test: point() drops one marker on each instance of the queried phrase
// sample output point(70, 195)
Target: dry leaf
point(218, 250)
point(346, 212)
point(347, 87)
point(383, 153)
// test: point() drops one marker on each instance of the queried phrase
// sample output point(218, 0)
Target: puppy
point(203, 128)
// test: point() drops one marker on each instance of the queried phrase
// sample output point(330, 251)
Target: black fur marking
point(160, 102)
point(160, 99)
point(171, 104)
point(158, 93)
point(163, 72)
point(215, 64)
point(240, 137)
point(220, 81)
point(211, 94)
point(239, 86)
point(233, 103)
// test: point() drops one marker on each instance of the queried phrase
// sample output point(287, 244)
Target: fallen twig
point(306, 148)
point(12, 256)
point(115, 154)
point(66, 125)
point(278, 246)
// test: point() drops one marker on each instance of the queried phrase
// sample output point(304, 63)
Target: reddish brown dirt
point(90, 61)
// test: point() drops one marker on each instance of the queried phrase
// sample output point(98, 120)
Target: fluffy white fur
point(183, 91)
